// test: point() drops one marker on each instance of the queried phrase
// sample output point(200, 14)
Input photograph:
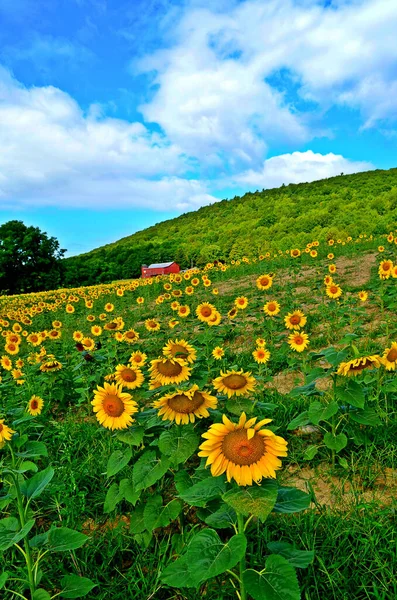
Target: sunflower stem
point(241, 528)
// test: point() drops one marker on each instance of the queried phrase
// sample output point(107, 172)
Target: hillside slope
point(249, 225)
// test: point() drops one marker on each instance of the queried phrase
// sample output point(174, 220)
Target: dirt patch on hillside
point(355, 272)
point(285, 382)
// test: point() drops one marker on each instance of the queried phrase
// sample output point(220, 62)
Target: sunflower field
point(221, 433)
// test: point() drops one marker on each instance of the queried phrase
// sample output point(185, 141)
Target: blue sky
point(115, 114)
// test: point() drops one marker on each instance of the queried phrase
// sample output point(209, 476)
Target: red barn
point(159, 269)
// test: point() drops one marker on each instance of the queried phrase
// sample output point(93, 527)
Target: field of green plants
point(223, 433)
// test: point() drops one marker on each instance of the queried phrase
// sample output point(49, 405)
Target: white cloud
point(216, 96)
point(55, 155)
point(299, 167)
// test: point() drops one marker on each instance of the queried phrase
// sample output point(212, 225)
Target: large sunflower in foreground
point(234, 383)
point(113, 407)
point(169, 370)
point(243, 450)
point(129, 376)
point(295, 320)
point(183, 406)
point(180, 349)
point(389, 358)
point(355, 366)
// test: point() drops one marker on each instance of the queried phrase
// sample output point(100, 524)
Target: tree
point(30, 261)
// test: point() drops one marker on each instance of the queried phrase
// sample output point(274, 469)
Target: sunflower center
point(183, 404)
point(234, 382)
point(272, 306)
point(128, 375)
point(152, 324)
point(240, 450)
point(34, 404)
point(1, 427)
point(130, 335)
point(298, 340)
point(177, 349)
point(169, 369)
point(392, 355)
point(111, 326)
point(333, 289)
point(113, 405)
point(295, 320)
point(264, 281)
point(206, 312)
point(138, 358)
point(386, 266)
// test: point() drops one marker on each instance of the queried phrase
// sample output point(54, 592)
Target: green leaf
point(33, 487)
point(291, 500)
point(3, 578)
point(278, 581)
point(129, 492)
point(74, 586)
point(132, 437)
point(203, 491)
point(222, 518)
point(117, 461)
point(206, 557)
point(112, 498)
point(257, 501)
point(38, 541)
point(33, 449)
point(149, 469)
point(368, 416)
point(41, 594)
point(310, 452)
point(61, 539)
point(179, 443)
point(239, 405)
point(10, 533)
point(299, 559)
point(322, 412)
point(351, 395)
point(27, 465)
point(156, 515)
point(299, 421)
point(137, 523)
point(335, 442)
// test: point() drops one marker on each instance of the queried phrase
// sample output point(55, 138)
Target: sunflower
point(34, 339)
point(169, 370)
point(243, 450)
point(54, 334)
point(180, 349)
point(69, 308)
point(35, 406)
point(295, 320)
point(11, 348)
point(218, 353)
point(183, 406)
point(91, 318)
point(131, 336)
point(272, 308)
point(88, 343)
point(389, 358)
point(129, 376)
point(152, 325)
point(96, 330)
point(189, 290)
point(331, 256)
point(195, 281)
point(261, 355)
point(234, 383)
point(14, 338)
point(261, 342)
point(78, 336)
point(264, 282)
point(109, 307)
point(6, 363)
point(385, 269)
point(390, 238)
point(328, 280)
point(50, 365)
point(332, 268)
point(5, 433)
point(333, 290)
point(172, 323)
point(355, 366)
point(241, 302)
point(57, 324)
point(298, 340)
point(204, 311)
point(183, 311)
point(215, 319)
point(313, 253)
point(381, 249)
point(113, 407)
point(363, 295)
point(295, 253)
point(138, 358)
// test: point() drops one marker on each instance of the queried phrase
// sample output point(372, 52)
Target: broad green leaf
point(203, 491)
point(322, 412)
point(291, 500)
point(310, 452)
point(61, 539)
point(278, 581)
point(368, 416)
point(299, 421)
point(112, 498)
point(132, 437)
point(335, 442)
point(41, 594)
point(137, 523)
point(239, 405)
point(3, 578)
point(33, 449)
point(156, 515)
point(257, 501)
point(11, 534)
point(222, 518)
point(351, 395)
point(149, 469)
point(74, 586)
point(27, 465)
point(33, 487)
point(117, 461)
point(38, 541)
point(177, 574)
point(299, 559)
point(179, 443)
point(129, 492)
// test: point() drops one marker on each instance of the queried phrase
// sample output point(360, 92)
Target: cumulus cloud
point(299, 167)
point(55, 154)
point(216, 95)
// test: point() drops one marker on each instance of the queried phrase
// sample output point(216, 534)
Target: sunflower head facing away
point(234, 383)
point(389, 358)
point(113, 407)
point(183, 406)
point(180, 349)
point(354, 367)
point(243, 450)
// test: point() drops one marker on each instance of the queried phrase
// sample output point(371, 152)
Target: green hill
point(257, 222)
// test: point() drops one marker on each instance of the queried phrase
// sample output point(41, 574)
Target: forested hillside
point(255, 223)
